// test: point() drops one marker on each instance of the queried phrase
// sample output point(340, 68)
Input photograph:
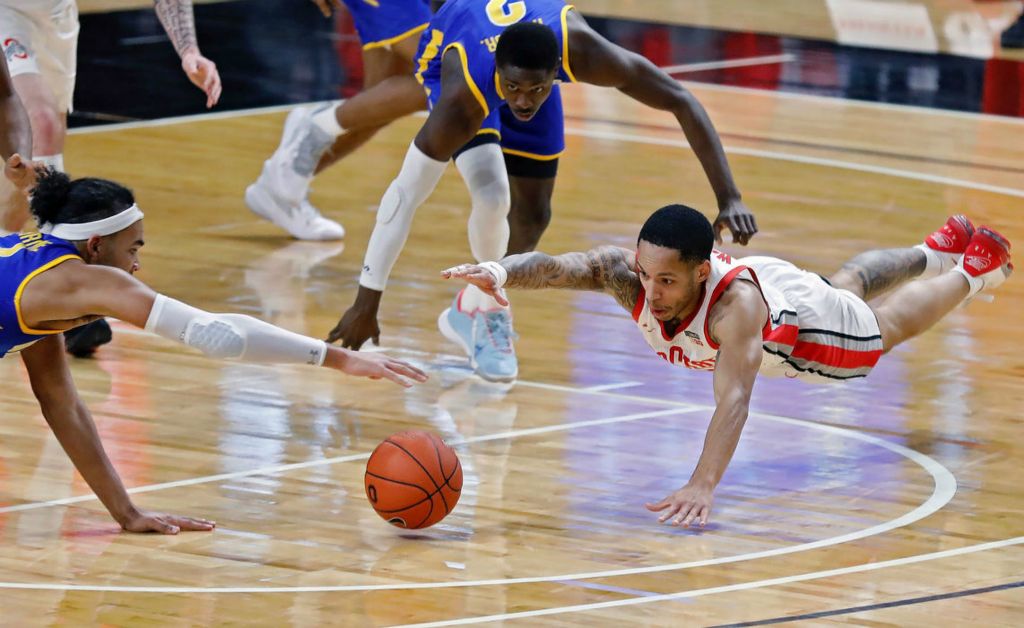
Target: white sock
point(975, 283)
point(327, 121)
point(935, 263)
point(474, 299)
point(54, 161)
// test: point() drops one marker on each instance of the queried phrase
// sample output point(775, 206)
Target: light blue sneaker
point(486, 337)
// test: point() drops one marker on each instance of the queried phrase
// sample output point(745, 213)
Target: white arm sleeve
point(232, 336)
point(415, 182)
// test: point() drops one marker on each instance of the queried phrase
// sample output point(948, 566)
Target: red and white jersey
point(813, 330)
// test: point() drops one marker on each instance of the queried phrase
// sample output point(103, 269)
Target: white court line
point(625, 137)
point(758, 584)
point(944, 490)
point(728, 63)
point(284, 468)
point(620, 385)
point(803, 159)
point(839, 101)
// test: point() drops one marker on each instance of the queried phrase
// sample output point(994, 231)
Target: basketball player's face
point(525, 90)
point(120, 250)
point(672, 287)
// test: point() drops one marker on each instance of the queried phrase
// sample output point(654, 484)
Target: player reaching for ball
point(700, 308)
point(80, 268)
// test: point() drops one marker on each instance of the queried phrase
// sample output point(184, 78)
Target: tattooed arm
point(608, 269)
point(177, 19)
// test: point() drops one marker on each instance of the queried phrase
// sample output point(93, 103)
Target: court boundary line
point(609, 135)
point(944, 488)
point(756, 584)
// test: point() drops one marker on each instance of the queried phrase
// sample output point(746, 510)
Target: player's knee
point(533, 213)
point(493, 200)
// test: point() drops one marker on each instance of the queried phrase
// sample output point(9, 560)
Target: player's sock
point(53, 161)
point(474, 299)
point(327, 121)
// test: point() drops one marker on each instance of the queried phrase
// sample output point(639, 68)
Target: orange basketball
point(413, 479)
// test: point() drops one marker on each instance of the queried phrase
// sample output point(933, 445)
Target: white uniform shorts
point(41, 37)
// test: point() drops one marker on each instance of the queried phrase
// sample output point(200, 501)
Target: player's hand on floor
point(142, 521)
point(738, 218)
point(20, 172)
point(479, 277)
point(355, 328)
point(375, 366)
point(327, 6)
point(203, 74)
point(690, 504)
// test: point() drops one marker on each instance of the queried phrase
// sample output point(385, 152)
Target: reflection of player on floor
point(389, 31)
point(697, 307)
point(488, 69)
point(81, 268)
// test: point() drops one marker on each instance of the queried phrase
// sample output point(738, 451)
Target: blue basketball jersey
point(472, 28)
point(22, 257)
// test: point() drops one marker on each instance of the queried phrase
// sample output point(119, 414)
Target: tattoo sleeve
point(605, 268)
point(179, 22)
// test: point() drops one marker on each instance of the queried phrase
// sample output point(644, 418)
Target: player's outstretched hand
point(374, 366)
point(203, 74)
point(20, 172)
point(738, 218)
point(355, 328)
point(479, 277)
point(142, 521)
point(688, 504)
point(327, 6)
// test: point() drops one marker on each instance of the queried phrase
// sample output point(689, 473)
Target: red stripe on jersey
point(639, 307)
point(783, 334)
point(719, 289)
point(834, 356)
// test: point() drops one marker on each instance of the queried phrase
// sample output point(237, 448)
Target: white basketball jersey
point(692, 346)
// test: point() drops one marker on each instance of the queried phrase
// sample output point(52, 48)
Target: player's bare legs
point(316, 137)
point(49, 127)
point(379, 64)
point(982, 262)
point(530, 213)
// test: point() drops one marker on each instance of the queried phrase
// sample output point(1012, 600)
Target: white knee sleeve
point(415, 182)
point(232, 336)
point(483, 170)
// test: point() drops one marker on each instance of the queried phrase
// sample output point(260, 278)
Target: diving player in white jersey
point(699, 308)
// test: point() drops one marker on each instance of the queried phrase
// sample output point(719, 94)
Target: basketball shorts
point(531, 148)
point(381, 23)
point(41, 37)
point(838, 336)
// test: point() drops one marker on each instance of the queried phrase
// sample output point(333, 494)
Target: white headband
point(85, 230)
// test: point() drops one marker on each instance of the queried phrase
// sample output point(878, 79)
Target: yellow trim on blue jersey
point(494, 131)
point(523, 153)
point(436, 39)
point(565, 42)
point(12, 250)
point(25, 329)
point(497, 85)
point(387, 42)
point(373, 3)
point(469, 79)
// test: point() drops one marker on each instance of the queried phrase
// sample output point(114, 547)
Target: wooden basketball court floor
point(889, 501)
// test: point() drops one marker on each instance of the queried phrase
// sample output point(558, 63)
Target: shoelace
point(499, 329)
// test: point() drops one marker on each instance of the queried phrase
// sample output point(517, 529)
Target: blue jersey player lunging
point(79, 268)
point(489, 69)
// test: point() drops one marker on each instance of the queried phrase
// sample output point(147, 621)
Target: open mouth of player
point(523, 114)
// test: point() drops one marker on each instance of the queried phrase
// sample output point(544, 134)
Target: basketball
point(413, 479)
